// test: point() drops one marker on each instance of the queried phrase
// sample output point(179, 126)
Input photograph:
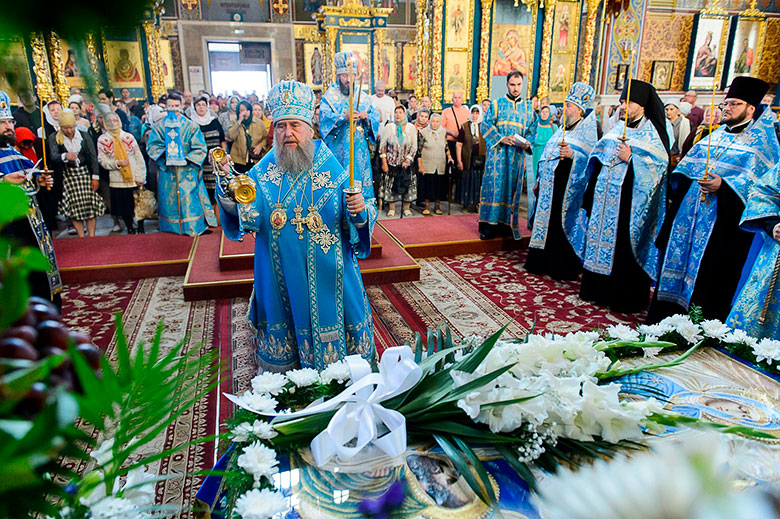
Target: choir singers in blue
point(706, 248)
point(757, 306)
point(626, 201)
point(558, 232)
point(309, 307)
point(17, 169)
point(177, 146)
point(508, 128)
point(334, 122)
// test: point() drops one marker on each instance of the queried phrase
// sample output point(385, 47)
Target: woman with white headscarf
point(471, 151)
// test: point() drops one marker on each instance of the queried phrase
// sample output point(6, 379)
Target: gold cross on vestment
point(298, 221)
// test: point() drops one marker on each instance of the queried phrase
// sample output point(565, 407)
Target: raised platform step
point(237, 255)
point(448, 236)
point(206, 280)
point(121, 257)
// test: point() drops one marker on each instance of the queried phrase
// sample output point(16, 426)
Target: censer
point(238, 186)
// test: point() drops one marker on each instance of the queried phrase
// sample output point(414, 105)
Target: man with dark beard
point(309, 307)
point(334, 122)
point(17, 169)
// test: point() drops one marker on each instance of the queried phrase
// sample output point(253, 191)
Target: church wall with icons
point(458, 38)
point(513, 44)
point(125, 64)
point(746, 48)
point(236, 10)
point(707, 52)
point(665, 45)
point(409, 66)
point(563, 58)
point(14, 57)
point(625, 35)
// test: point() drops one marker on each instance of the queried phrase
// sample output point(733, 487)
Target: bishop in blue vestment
point(508, 159)
point(334, 122)
point(626, 203)
point(558, 231)
point(177, 145)
point(706, 248)
point(757, 306)
point(309, 307)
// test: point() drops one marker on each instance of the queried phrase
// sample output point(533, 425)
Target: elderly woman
point(119, 153)
point(249, 138)
point(434, 156)
point(215, 138)
point(74, 159)
point(471, 151)
point(397, 150)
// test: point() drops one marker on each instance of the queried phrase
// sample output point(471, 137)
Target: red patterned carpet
point(144, 303)
point(479, 293)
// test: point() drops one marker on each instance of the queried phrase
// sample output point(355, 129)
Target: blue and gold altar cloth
point(710, 385)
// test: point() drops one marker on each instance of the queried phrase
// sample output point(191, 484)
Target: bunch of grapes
point(40, 333)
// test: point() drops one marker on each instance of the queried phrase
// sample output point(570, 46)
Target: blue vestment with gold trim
point(650, 161)
point(334, 128)
point(763, 202)
point(739, 159)
point(182, 200)
point(308, 306)
point(581, 140)
point(506, 165)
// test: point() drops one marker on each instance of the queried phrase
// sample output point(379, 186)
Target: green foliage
point(16, 263)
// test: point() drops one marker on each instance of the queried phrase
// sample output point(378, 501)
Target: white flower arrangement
point(767, 350)
point(257, 430)
point(260, 504)
point(623, 333)
point(126, 502)
point(260, 403)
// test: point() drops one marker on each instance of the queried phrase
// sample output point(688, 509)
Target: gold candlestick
point(628, 94)
point(709, 135)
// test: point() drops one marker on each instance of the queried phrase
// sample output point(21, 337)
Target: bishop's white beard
point(300, 158)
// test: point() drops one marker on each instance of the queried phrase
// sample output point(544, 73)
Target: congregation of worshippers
point(653, 201)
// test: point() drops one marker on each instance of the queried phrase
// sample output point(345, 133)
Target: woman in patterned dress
point(75, 161)
point(397, 150)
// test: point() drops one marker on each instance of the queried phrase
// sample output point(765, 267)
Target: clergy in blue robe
point(334, 122)
point(17, 169)
point(626, 203)
point(177, 145)
point(706, 248)
point(508, 159)
point(757, 306)
point(558, 220)
point(309, 307)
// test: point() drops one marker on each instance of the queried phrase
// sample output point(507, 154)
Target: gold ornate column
point(379, 38)
point(329, 66)
point(590, 34)
point(436, 46)
point(544, 62)
point(484, 51)
point(157, 81)
point(92, 52)
point(54, 46)
point(43, 82)
point(421, 81)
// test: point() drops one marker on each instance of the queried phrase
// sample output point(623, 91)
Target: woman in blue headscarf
point(544, 130)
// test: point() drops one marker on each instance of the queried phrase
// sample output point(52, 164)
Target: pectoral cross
point(298, 221)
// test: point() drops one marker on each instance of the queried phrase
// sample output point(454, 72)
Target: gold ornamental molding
point(54, 46)
point(43, 82)
point(715, 9)
point(484, 51)
point(544, 62)
point(330, 68)
point(590, 35)
point(752, 12)
point(436, 86)
point(157, 80)
point(379, 42)
point(92, 51)
point(354, 22)
point(421, 81)
point(308, 33)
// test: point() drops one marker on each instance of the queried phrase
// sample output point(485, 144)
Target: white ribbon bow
point(362, 417)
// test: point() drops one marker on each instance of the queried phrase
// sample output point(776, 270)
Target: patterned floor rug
point(90, 307)
point(479, 293)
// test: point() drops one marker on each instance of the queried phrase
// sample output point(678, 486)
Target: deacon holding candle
point(17, 169)
point(706, 248)
point(558, 232)
point(625, 202)
point(309, 307)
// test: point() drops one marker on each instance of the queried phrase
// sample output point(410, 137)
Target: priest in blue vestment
point(509, 128)
point(309, 307)
point(334, 122)
point(706, 248)
point(177, 145)
point(558, 220)
point(17, 169)
point(626, 202)
point(757, 306)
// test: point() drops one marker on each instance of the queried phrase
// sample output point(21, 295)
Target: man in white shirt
point(382, 103)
